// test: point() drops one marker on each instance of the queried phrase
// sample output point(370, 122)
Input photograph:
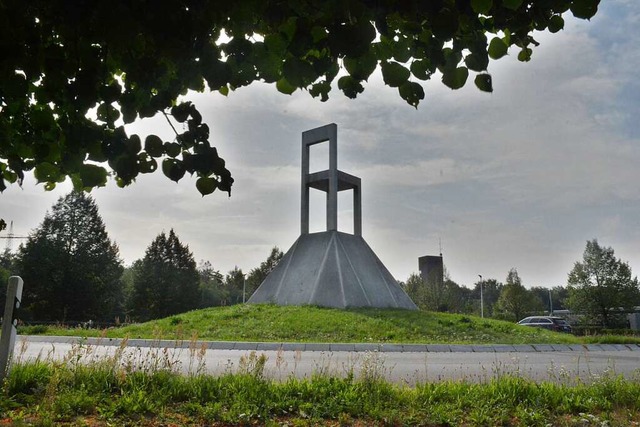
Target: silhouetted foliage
point(70, 268)
point(72, 73)
point(166, 280)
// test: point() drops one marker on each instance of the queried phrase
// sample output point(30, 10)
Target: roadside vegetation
point(151, 392)
point(270, 323)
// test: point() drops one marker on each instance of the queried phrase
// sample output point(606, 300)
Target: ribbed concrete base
point(332, 269)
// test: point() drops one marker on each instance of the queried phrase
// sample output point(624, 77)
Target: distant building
point(431, 268)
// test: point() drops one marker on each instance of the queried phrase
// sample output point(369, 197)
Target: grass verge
point(110, 392)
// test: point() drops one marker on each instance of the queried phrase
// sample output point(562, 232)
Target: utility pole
point(10, 237)
point(244, 286)
point(550, 303)
point(481, 296)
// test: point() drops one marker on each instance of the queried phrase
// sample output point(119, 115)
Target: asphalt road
point(468, 363)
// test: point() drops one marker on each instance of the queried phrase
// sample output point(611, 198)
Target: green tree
point(515, 301)
point(491, 289)
point(70, 267)
point(601, 287)
point(128, 278)
point(8, 268)
point(435, 294)
point(558, 296)
point(212, 290)
point(73, 74)
point(257, 275)
point(233, 286)
point(166, 280)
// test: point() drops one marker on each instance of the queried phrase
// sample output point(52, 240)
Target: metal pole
point(244, 287)
point(550, 304)
point(8, 338)
point(481, 297)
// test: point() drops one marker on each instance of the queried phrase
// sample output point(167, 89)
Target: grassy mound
point(315, 324)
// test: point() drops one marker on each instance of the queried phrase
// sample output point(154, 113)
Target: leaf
point(455, 78)
point(361, 68)
point(584, 9)
point(353, 39)
point(403, 49)
point(173, 169)
point(93, 176)
point(181, 112)
point(477, 61)
point(394, 74)
point(483, 82)
point(172, 148)
point(107, 113)
point(512, 4)
point(46, 172)
point(206, 185)
point(497, 48)
point(275, 43)
point(320, 89)
point(350, 86)
point(298, 73)
point(153, 145)
point(421, 69)
point(481, 6)
point(133, 144)
point(445, 24)
point(556, 23)
point(411, 92)
point(525, 54)
point(285, 87)
point(147, 164)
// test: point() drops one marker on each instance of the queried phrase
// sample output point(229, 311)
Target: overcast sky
point(519, 178)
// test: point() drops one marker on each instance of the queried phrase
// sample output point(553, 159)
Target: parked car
point(557, 324)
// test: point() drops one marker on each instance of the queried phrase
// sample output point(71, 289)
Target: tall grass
point(123, 389)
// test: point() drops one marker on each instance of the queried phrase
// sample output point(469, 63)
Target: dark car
point(557, 324)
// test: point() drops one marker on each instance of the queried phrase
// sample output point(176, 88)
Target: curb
point(331, 347)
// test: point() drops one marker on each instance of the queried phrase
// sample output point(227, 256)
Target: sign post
point(8, 337)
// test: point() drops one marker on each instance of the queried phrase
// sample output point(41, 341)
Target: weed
point(253, 365)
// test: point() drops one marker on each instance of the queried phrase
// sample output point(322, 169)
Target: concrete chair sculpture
point(330, 268)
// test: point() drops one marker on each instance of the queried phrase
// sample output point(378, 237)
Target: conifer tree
point(70, 267)
point(166, 281)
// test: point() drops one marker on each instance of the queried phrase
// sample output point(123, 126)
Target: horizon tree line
point(74, 273)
